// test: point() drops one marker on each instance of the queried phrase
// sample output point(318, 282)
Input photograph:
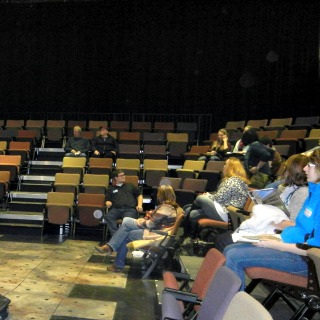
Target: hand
point(140, 222)
point(225, 139)
point(108, 204)
point(271, 244)
point(254, 170)
point(139, 208)
point(96, 153)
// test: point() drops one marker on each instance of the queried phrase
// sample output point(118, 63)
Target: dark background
point(235, 59)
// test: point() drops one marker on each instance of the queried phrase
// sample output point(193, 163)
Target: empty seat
point(313, 140)
point(100, 166)
point(120, 126)
point(87, 205)
point(141, 126)
point(212, 173)
point(195, 152)
point(295, 138)
point(67, 182)
point(257, 124)
point(37, 126)
point(272, 134)
point(20, 148)
point(129, 166)
point(11, 163)
point(153, 151)
point(14, 125)
point(60, 209)
point(153, 138)
point(129, 137)
point(191, 128)
point(129, 151)
point(190, 169)
point(4, 187)
point(235, 125)
point(154, 170)
point(159, 126)
point(74, 165)
point(55, 132)
point(177, 144)
point(305, 123)
point(95, 183)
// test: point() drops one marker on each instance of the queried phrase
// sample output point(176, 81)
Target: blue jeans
point(118, 213)
point(208, 209)
point(70, 154)
point(243, 255)
point(128, 232)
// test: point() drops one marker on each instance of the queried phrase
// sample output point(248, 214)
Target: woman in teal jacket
point(282, 254)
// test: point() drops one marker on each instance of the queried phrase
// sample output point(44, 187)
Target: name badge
point(115, 191)
point(308, 212)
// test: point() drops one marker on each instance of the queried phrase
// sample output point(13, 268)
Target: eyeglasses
point(310, 164)
point(121, 175)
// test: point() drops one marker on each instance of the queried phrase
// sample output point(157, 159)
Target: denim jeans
point(243, 255)
point(128, 232)
point(118, 213)
point(208, 209)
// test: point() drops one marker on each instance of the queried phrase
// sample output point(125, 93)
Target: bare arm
point(288, 247)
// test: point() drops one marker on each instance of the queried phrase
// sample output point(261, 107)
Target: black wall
point(235, 59)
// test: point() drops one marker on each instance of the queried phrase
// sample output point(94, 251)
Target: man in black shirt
point(104, 145)
point(122, 200)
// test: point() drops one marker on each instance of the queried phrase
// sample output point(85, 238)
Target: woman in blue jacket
point(282, 254)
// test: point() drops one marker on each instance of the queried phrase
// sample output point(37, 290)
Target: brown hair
point(234, 167)
point(315, 159)
point(294, 174)
point(166, 195)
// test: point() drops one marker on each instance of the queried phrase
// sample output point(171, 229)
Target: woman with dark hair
point(257, 156)
point(282, 253)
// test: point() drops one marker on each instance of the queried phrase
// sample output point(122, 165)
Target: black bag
point(4, 304)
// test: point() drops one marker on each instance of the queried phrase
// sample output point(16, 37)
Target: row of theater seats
point(57, 129)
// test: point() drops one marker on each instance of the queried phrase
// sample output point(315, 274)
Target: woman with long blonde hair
point(233, 190)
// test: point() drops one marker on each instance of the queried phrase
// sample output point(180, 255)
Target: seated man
point(104, 145)
point(77, 146)
point(122, 200)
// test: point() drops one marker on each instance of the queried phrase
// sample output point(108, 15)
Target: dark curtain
point(236, 60)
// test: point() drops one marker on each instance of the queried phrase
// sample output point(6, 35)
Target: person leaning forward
point(122, 200)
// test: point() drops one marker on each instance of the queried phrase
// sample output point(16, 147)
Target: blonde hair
point(77, 129)
point(217, 143)
point(166, 195)
point(234, 167)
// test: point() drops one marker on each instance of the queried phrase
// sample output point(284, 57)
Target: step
point(22, 206)
point(44, 168)
point(49, 153)
point(19, 219)
point(28, 196)
point(35, 187)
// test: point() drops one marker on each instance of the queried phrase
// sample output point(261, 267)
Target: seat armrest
point(184, 296)
point(244, 212)
point(182, 276)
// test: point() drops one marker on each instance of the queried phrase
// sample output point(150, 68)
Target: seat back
point(5, 180)
point(272, 134)
point(154, 170)
point(100, 165)
point(94, 125)
point(194, 165)
point(207, 271)
point(3, 147)
point(67, 182)
point(276, 122)
point(314, 133)
point(74, 165)
point(129, 166)
point(153, 151)
point(245, 307)
point(257, 123)
point(18, 145)
point(239, 125)
point(120, 126)
point(153, 138)
point(14, 123)
point(175, 183)
point(95, 183)
point(129, 150)
point(163, 126)
point(132, 179)
point(141, 126)
point(293, 134)
point(215, 304)
point(72, 123)
point(307, 120)
point(216, 166)
point(91, 199)
point(37, 126)
point(197, 185)
point(129, 137)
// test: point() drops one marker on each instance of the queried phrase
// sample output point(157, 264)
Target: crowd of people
point(298, 187)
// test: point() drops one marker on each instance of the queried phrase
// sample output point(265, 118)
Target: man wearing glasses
point(122, 200)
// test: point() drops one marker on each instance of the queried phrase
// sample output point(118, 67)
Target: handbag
point(259, 180)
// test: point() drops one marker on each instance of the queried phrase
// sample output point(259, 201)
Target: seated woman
point(294, 192)
point(233, 190)
point(163, 218)
point(218, 148)
point(282, 254)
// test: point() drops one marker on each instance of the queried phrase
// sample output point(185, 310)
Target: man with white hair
point(77, 146)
